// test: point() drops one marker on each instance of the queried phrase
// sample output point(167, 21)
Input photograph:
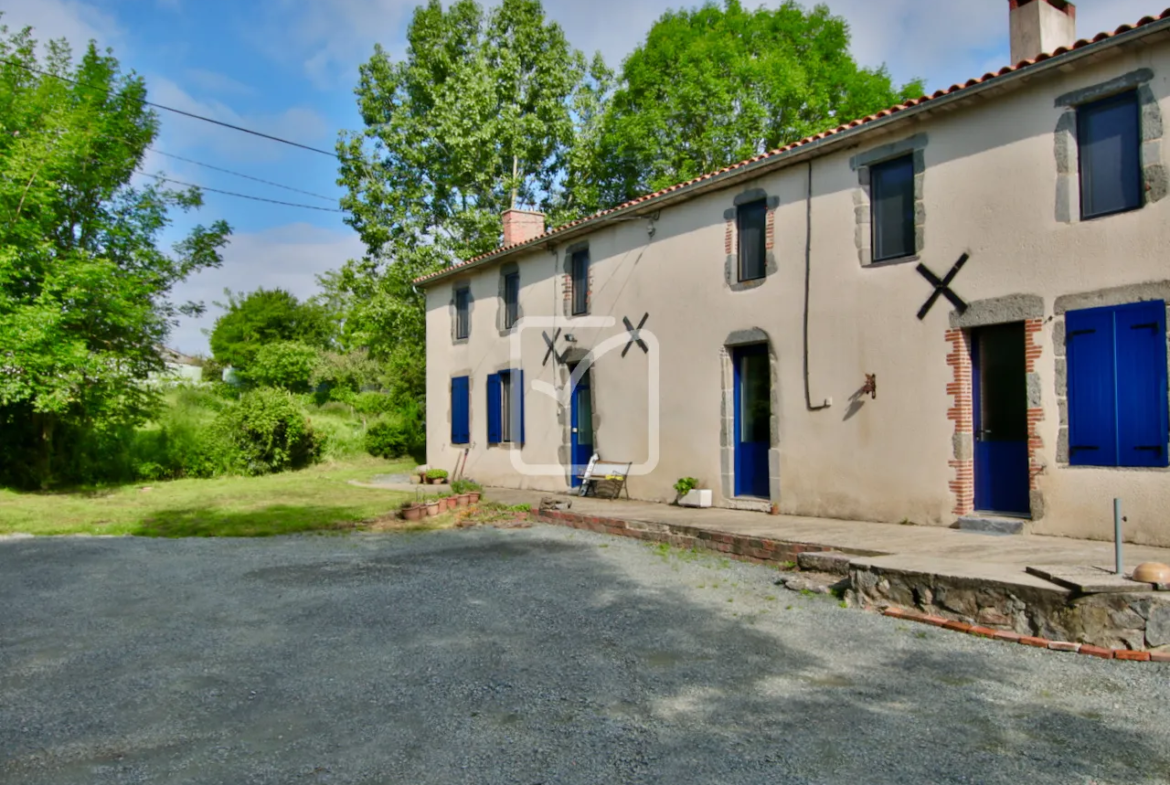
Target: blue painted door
point(1000, 400)
point(753, 420)
point(582, 422)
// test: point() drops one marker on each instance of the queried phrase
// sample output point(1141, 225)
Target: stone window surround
point(1154, 177)
point(727, 438)
point(502, 308)
point(914, 146)
point(1026, 308)
point(451, 308)
point(1122, 295)
point(731, 240)
point(567, 280)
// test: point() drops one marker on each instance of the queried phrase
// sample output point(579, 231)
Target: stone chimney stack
point(1041, 27)
point(520, 226)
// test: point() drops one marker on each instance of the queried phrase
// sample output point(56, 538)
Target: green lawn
point(316, 499)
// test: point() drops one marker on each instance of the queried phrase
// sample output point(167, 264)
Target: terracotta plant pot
point(452, 502)
point(473, 497)
point(432, 508)
point(437, 481)
point(444, 505)
point(463, 499)
point(412, 513)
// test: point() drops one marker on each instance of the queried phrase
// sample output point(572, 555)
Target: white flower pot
point(696, 498)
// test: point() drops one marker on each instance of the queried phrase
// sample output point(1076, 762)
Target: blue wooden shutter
point(493, 406)
point(1141, 384)
point(1092, 397)
point(460, 410)
point(518, 406)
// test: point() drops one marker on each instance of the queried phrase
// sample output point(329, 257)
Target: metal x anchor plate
point(942, 287)
point(552, 347)
point(635, 334)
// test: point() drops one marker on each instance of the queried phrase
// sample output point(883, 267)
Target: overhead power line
point(163, 179)
point(245, 176)
point(177, 111)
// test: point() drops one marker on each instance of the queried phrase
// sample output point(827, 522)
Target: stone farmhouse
point(952, 310)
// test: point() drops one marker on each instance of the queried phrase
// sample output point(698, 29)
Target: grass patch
point(319, 498)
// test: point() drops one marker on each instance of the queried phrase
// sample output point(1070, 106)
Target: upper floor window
point(580, 282)
point(1109, 140)
point(511, 300)
point(752, 222)
point(892, 208)
point(462, 313)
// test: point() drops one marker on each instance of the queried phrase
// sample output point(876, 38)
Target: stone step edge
point(1026, 640)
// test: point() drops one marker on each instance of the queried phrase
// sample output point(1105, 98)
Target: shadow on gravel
point(486, 657)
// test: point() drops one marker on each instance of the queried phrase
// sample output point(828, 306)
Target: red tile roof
point(1144, 21)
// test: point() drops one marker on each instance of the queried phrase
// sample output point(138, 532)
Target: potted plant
point(453, 502)
point(468, 488)
point(436, 476)
point(432, 508)
point(689, 494)
point(444, 505)
point(412, 511)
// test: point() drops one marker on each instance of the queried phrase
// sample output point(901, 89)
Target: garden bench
point(599, 471)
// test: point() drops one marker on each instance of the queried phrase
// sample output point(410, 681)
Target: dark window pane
point(506, 407)
point(581, 282)
point(511, 300)
point(462, 317)
point(1109, 138)
point(755, 398)
point(752, 222)
point(892, 189)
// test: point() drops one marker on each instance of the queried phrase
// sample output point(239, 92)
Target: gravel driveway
point(534, 656)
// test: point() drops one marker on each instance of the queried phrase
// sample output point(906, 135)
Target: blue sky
point(288, 68)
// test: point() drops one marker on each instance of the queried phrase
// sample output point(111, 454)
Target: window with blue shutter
point(494, 395)
point(505, 398)
point(1117, 399)
point(460, 410)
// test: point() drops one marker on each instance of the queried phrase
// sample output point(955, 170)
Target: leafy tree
point(84, 289)
point(480, 116)
point(715, 85)
point(289, 365)
point(266, 316)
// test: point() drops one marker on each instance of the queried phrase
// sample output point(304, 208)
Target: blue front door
point(1000, 401)
point(582, 423)
point(753, 420)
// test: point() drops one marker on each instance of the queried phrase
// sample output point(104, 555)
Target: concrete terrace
point(918, 548)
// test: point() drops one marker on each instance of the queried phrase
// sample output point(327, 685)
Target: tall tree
point(478, 117)
point(84, 289)
point(266, 316)
point(715, 85)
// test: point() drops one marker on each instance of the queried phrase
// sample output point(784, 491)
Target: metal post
point(1117, 535)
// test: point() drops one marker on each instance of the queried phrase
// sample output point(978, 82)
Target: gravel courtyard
point(524, 656)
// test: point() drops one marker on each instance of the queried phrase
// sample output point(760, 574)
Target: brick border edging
point(1027, 640)
point(751, 549)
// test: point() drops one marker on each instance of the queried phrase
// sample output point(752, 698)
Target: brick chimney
point(1041, 27)
point(520, 226)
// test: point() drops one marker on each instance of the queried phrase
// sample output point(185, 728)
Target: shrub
point(436, 474)
point(270, 432)
point(396, 434)
point(686, 485)
point(288, 365)
point(371, 403)
point(465, 486)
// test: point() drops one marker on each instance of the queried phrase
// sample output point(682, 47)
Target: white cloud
point(75, 21)
point(217, 83)
point(286, 257)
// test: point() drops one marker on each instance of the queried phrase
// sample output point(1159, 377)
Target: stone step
point(824, 561)
point(815, 582)
point(991, 524)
